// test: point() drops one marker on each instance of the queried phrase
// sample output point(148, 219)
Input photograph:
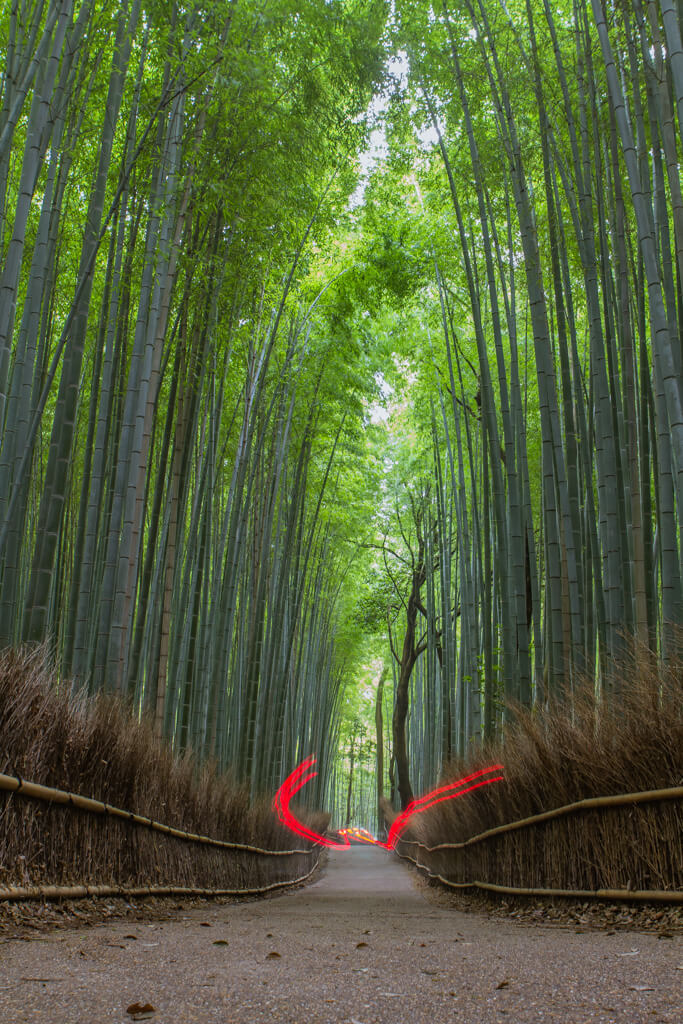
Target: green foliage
point(237, 353)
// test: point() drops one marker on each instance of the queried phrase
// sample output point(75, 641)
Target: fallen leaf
point(503, 984)
point(220, 942)
point(204, 924)
point(269, 935)
point(361, 945)
point(133, 938)
point(641, 988)
point(141, 1011)
point(273, 956)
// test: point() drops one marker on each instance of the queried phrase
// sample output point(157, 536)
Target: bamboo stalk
point(33, 790)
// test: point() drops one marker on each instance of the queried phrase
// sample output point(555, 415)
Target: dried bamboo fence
point(125, 848)
point(628, 846)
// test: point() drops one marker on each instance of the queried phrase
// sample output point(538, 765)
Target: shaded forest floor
point(23, 920)
point(360, 945)
point(661, 920)
point(26, 919)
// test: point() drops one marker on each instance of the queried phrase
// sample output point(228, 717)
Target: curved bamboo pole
point(641, 895)
point(619, 800)
point(74, 892)
point(35, 791)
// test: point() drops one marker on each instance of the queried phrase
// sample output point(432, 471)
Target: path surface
point(360, 946)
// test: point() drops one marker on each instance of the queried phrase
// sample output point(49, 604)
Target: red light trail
point(282, 799)
point(448, 792)
point(304, 773)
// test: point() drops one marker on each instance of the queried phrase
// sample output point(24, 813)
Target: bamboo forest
point(341, 393)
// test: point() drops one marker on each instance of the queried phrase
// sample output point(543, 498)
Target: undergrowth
point(95, 747)
point(558, 756)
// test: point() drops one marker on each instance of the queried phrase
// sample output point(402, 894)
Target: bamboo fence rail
point(590, 804)
point(16, 786)
point(646, 895)
point(32, 790)
point(73, 892)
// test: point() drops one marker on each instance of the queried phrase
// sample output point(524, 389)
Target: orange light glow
point(358, 835)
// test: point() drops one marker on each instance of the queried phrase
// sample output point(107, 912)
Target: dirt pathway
point(360, 946)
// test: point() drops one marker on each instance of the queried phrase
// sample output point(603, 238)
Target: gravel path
point(361, 945)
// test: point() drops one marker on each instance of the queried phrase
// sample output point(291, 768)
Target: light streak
point(282, 799)
point(360, 835)
point(305, 772)
point(448, 792)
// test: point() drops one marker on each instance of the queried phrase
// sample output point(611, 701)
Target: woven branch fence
point(628, 846)
point(69, 835)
